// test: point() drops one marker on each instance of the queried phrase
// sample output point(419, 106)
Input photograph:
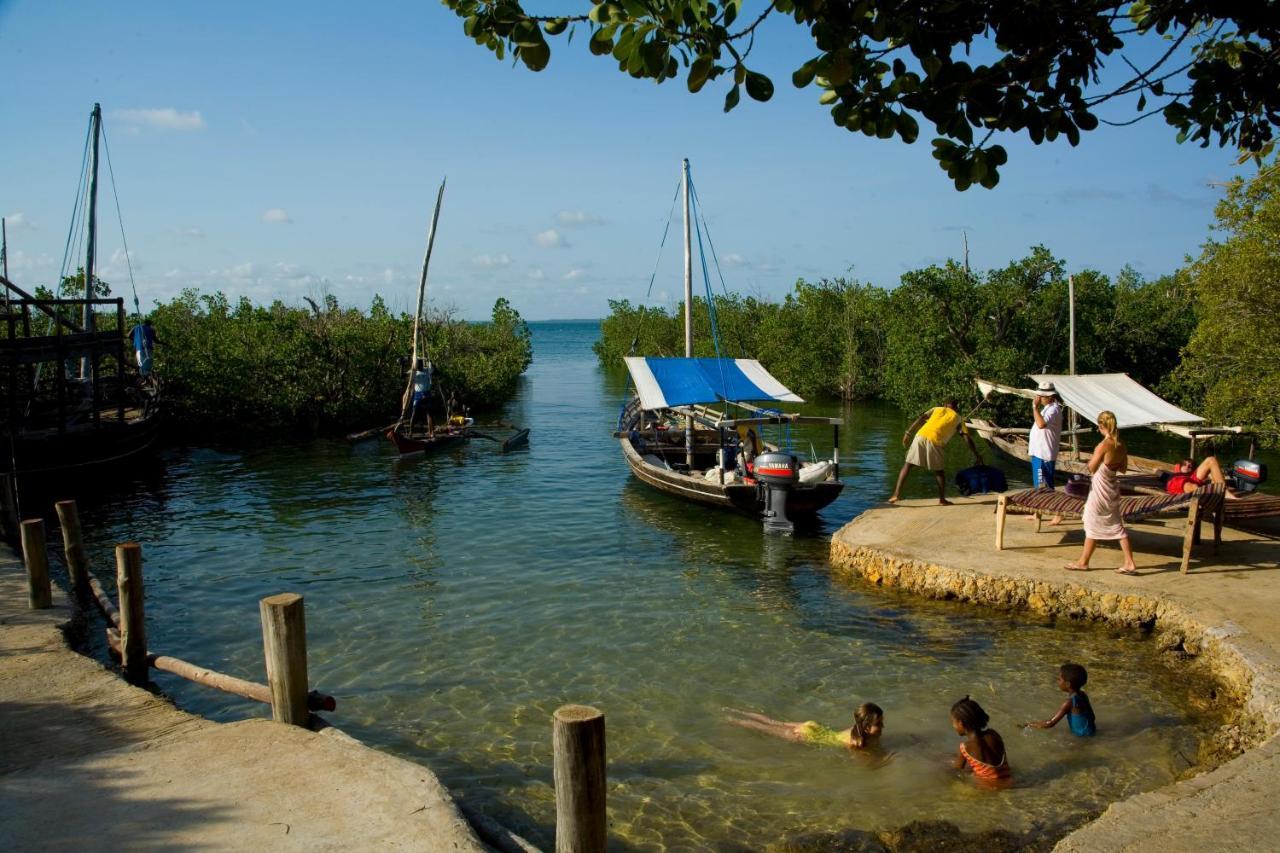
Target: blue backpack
point(980, 479)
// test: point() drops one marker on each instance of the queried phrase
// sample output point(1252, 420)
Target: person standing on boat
point(933, 430)
point(421, 392)
point(1045, 439)
point(144, 344)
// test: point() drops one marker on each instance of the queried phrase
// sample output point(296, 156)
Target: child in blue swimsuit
point(1077, 709)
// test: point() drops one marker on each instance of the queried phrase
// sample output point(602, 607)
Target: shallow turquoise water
point(453, 603)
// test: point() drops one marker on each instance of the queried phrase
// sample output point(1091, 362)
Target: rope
point(76, 204)
point(742, 350)
point(635, 339)
point(137, 310)
point(706, 284)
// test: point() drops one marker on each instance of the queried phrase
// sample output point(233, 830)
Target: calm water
point(453, 603)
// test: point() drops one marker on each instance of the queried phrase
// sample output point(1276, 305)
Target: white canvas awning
point(1132, 404)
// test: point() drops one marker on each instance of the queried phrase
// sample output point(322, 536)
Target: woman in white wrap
point(1102, 509)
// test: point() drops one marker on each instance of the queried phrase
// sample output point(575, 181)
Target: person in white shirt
point(1045, 437)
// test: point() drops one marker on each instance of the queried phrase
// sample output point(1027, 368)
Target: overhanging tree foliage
point(970, 68)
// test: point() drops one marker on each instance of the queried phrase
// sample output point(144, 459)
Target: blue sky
point(283, 150)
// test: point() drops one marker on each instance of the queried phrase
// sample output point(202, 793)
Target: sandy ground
point(1225, 609)
point(88, 762)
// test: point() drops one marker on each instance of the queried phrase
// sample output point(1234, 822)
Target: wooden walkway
point(88, 762)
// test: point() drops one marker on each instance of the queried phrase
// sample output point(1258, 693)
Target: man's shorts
point(1042, 473)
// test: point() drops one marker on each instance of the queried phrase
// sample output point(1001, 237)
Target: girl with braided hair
point(982, 751)
point(868, 723)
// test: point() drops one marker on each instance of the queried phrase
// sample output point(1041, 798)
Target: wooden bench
point(1205, 501)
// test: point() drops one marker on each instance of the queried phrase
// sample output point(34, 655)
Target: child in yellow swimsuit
point(868, 723)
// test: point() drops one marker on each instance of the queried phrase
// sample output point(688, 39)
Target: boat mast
point(4, 257)
point(1071, 358)
point(417, 315)
point(95, 121)
point(688, 304)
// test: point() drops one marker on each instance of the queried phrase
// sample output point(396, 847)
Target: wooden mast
point(1071, 359)
point(95, 121)
point(688, 303)
point(417, 316)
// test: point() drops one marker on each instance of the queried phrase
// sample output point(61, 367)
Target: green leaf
point(759, 87)
point(556, 27)
point(731, 99)
point(1142, 102)
point(830, 96)
point(804, 75)
point(699, 71)
point(535, 56)
point(526, 34)
point(601, 44)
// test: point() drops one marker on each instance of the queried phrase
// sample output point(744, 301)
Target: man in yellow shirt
point(933, 430)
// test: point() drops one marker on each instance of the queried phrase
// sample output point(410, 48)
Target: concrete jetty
point(88, 762)
point(1222, 614)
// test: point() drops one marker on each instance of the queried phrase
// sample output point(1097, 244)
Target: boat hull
point(803, 501)
point(409, 445)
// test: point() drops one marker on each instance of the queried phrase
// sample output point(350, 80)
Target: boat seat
point(1207, 500)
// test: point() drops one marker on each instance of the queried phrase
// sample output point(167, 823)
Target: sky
point(284, 150)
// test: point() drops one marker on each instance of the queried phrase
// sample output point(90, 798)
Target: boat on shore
point(673, 439)
point(71, 409)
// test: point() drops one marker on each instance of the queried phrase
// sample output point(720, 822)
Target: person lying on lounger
point(1188, 476)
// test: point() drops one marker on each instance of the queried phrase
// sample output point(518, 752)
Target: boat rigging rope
point(724, 288)
point(76, 207)
point(137, 310)
point(706, 284)
point(635, 339)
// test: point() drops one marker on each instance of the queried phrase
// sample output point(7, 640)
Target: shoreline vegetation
point(321, 369)
point(1196, 336)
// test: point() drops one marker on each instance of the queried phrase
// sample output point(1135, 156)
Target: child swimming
point(983, 750)
point(1077, 709)
point(868, 723)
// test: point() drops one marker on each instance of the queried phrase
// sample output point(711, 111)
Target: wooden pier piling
point(133, 629)
point(73, 547)
point(284, 645)
point(35, 555)
point(579, 755)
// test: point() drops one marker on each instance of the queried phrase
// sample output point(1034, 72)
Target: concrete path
point(1224, 611)
point(89, 763)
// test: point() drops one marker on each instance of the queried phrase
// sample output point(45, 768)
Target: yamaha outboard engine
point(777, 473)
point(1247, 474)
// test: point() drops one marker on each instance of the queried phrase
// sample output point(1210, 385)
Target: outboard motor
point(777, 473)
point(1247, 474)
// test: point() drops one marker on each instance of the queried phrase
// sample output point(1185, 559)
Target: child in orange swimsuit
point(983, 750)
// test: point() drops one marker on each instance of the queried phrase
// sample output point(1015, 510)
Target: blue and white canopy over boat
point(676, 442)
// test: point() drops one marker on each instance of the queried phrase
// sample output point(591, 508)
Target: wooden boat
point(59, 429)
point(674, 443)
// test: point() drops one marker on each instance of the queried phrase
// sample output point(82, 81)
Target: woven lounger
point(1198, 504)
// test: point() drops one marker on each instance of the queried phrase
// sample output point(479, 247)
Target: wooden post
point(578, 737)
point(284, 645)
point(1002, 508)
point(36, 556)
point(133, 627)
point(1188, 537)
point(73, 546)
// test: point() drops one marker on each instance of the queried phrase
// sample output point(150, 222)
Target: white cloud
point(574, 274)
point(734, 260)
point(536, 274)
point(276, 214)
point(572, 218)
point(160, 119)
point(120, 261)
point(550, 239)
point(18, 222)
point(502, 259)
